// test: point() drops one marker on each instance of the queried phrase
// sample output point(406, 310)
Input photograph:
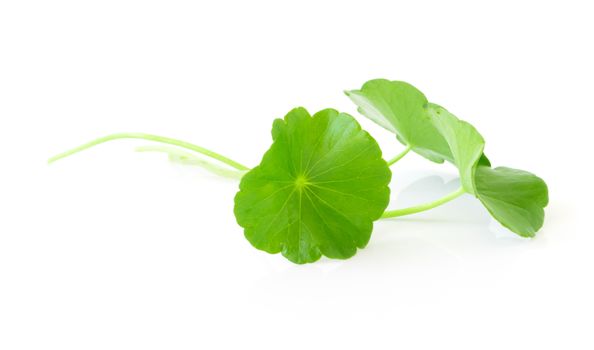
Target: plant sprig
point(515, 198)
point(323, 182)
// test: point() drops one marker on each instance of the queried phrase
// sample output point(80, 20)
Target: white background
point(113, 249)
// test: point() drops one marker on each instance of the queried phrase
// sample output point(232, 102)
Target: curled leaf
point(465, 143)
point(317, 190)
point(402, 109)
point(515, 198)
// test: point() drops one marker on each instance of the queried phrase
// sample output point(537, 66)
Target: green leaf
point(317, 190)
point(515, 198)
point(465, 143)
point(429, 129)
point(402, 109)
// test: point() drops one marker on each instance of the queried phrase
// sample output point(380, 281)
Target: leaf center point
point(301, 182)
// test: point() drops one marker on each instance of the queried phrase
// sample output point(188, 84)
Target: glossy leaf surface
point(515, 198)
point(402, 109)
point(465, 143)
point(317, 190)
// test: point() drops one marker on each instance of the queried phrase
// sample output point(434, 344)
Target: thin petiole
point(423, 207)
point(399, 156)
point(182, 157)
point(155, 138)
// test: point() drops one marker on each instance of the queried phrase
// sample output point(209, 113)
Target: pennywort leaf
point(402, 109)
point(317, 190)
point(515, 198)
point(465, 143)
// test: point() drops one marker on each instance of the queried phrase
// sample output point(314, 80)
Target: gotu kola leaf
point(513, 197)
point(402, 109)
point(317, 190)
point(464, 141)
point(516, 198)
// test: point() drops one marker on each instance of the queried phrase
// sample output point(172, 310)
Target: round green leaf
point(402, 109)
point(515, 198)
point(317, 190)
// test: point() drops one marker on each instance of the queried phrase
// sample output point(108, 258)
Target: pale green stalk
point(155, 138)
point(423, 207)
point(399, 156)
point(187, 158)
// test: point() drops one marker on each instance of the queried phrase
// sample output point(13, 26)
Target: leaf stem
point(155, 138)
point(423, 207)
point(182, 157)
point(399, 156)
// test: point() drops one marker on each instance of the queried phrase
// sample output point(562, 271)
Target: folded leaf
point(429, 129)
point(402, 109)
point(465, 143)
point(317, 190)
point(515, 198)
